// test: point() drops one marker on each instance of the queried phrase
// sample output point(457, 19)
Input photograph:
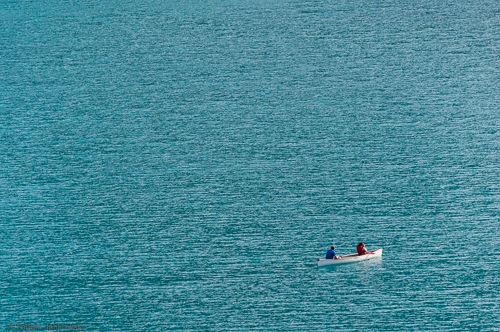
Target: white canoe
point(351, 258)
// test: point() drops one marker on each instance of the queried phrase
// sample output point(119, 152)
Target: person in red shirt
point(361, 249)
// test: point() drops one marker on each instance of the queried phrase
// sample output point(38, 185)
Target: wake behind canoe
point(351, 258)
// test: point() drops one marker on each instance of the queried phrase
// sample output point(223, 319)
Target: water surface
point(182, 165)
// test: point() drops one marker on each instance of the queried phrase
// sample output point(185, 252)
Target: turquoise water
point(182, 165)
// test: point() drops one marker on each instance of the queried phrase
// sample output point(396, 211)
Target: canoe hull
point(350, 258)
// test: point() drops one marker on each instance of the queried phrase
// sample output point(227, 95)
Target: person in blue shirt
point(331, 254)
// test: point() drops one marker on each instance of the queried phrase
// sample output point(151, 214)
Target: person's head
point(333, 247)
point(361, 244)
